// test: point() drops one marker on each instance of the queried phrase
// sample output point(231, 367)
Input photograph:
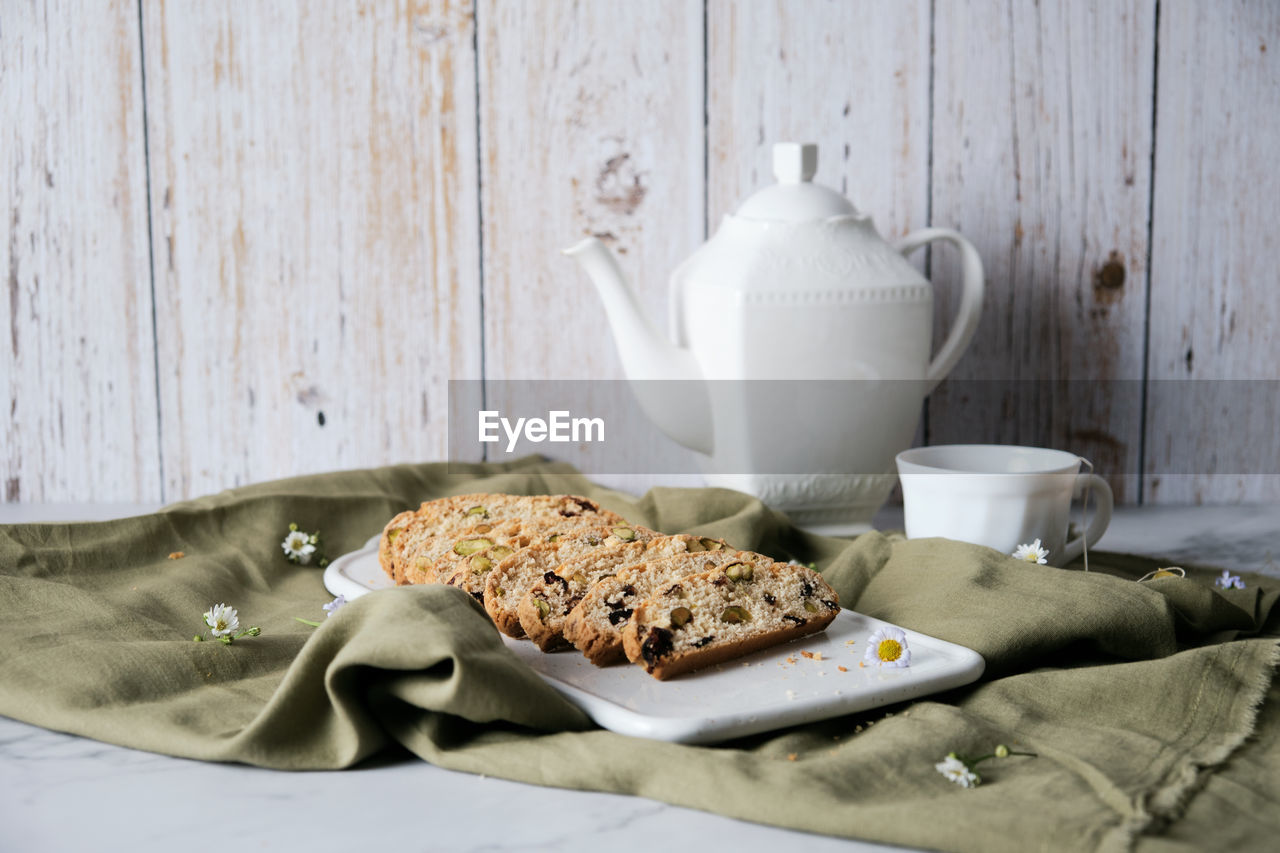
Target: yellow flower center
point(1031, 557)
point(889, 650)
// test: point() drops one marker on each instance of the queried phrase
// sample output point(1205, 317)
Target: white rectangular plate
point(770, 689)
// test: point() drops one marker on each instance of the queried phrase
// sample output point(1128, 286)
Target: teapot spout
point(666, 379)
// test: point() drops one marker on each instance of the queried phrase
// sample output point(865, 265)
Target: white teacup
point(1000, 496)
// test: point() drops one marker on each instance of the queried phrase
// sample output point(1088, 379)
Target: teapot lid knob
point(795, 197)
point(794, 162)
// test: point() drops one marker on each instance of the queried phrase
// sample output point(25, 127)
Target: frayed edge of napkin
point(1168, 803)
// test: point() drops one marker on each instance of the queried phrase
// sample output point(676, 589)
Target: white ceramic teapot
point(801, 347)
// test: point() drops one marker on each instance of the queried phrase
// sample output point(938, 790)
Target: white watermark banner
point(857, 427)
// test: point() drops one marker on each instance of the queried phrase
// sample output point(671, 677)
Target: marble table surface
point(60, 792)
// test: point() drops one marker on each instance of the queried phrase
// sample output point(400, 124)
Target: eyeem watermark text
point(559, 426)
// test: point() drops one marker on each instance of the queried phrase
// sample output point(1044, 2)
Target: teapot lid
point(795, 198)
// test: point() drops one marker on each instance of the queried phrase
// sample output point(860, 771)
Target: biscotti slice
point(443, 523)
point(445, 555)
point(725, 613)
point(595, 625)
point(386, 542)
point(473, 572)
point(546, 605)
point(507, 582)
point(407, 529)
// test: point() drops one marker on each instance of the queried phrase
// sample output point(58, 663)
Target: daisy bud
point(1002, 751)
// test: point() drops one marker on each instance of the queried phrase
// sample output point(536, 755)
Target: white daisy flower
point(333, 606)
point(222, 619)
point(957, 771)
point(1229, 581)
point(888, 647)
point(299, 546)
point(1032, 553)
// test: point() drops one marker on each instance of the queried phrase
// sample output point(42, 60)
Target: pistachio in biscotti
point(467, 547)
point(544, 609)
point(810, 607)
point(680, 617)
point(734, 614)
point(478, 510)
point(480, 564)
point(624, 534)
point(740, 572)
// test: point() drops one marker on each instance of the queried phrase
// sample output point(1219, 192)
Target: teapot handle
point(970, 301)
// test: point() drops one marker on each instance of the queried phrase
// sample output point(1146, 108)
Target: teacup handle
point(967, 317)
point(1104, 501)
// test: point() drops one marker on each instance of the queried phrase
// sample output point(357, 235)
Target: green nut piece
point(810, 607)
point(626, 534)
point(544, 609)
point(741, 572)
point(498, 553)
point(391, 537)
point(680, 617)
point(554, 537)
point(467, 547)
point(579, 578)
point(735, 614)
point(712, 544)
point(481, 564)
point(478, 510)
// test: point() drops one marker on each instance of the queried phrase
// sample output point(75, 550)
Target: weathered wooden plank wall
point(315, 232)
point(322, 182)
point(1041, 156)
point(1215, 304)
point(591, 117)
point(591, 124)
point(848, 76)
point(77, 364)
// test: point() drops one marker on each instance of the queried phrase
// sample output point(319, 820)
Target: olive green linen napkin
point(1131, 694)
